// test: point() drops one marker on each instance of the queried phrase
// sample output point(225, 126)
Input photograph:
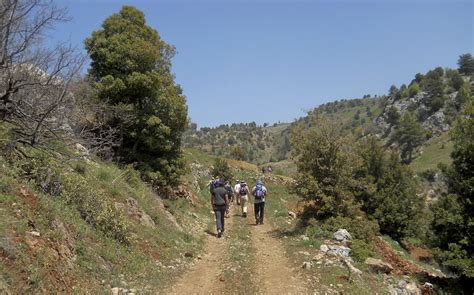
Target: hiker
point(259, 192)
point(230, 195)
point(236, 191)
point(230, 191)
point(244, 197)
point(220, 203)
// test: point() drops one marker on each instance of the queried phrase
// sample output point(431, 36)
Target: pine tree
point(131, 66)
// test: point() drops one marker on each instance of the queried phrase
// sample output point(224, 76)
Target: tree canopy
point(131, 66)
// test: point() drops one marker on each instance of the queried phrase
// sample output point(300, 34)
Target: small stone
point(318, 256)
point(115, 291)
point(402, 284)
point(306, 265)
point(199, 257)
point(340, 285)
point(222, 279)
point(292, 214)
point(413, 289)
point(428, 285)
point(305, 253)
point(188, 254)
point(34, 233)
point(324, 248)
point(305, 238)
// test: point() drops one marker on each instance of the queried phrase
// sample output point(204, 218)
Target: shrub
point(361, 250)
point(6, 184)
point(95, 208)
point(363, 229)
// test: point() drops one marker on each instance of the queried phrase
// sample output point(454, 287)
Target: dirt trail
point(204, 276)
point(272, 272)
point(273, 269)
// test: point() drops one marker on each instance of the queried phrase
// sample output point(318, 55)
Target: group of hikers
point(223, 195)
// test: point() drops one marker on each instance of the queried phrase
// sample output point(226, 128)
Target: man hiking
point(220, 205)
point(230, 195)
point(236, 191)
point(244, 197)
point(259, 192)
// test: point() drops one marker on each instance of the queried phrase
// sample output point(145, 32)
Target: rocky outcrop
point(378, 265)
point(131, 209)
point(342, 235)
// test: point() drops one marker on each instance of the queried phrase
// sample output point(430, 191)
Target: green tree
point(391, 198)
point(463, 95)
point(238, 153)
point(413, 89)
point(326, 166)
point(433, 85)
point(466, 64)
point(131, 66)
point(409, 135)
point(393, 116)
point(222, 170)
point(453, 222)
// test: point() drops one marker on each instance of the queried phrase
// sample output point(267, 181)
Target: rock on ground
point(378, 265)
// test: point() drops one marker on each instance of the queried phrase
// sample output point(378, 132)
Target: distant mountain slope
point(433, 99)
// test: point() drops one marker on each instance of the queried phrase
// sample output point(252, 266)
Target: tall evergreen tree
point(409, 134)
point(453, 222)
point(131, 66)
point(466, 64)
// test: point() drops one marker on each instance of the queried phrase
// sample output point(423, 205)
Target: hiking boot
point(219, 234)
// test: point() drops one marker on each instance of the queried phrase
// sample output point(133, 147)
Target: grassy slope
point(88, 259)
point(435, 151)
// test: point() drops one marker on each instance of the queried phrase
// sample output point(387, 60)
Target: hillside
point(433, 98)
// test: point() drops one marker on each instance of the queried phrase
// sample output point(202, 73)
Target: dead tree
point(35, 99)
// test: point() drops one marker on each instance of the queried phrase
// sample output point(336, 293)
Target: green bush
point(6, 184)
point(222, 170)
point(363, 229)
point(95, 208)
point(361, 250)
point(429, 174)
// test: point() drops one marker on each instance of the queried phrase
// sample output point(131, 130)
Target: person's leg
point(218, 213)
point(244, 201)
point(256, 209)
point(262, 210)
point(222, 217)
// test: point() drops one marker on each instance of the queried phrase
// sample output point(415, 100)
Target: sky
point(271, 61)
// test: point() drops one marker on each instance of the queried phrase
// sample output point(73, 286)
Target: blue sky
point(269, 61)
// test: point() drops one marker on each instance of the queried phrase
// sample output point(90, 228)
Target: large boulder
point(378, 265)
point(342, 235)
point(335, 250)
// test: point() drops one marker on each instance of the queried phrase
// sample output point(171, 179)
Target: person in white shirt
point(244, 197)
point(236, 192)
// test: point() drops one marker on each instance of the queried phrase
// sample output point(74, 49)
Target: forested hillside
point(106, 187)
point(414, 118)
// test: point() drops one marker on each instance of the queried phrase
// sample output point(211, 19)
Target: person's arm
point(212, 201)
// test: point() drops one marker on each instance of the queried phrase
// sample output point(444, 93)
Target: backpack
point(259, 193)
point(229, 190)
point(213, 184)
point(243, 189)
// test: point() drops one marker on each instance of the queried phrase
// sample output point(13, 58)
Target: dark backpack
point(259, 193)
point(243, 189)
point(229, 190)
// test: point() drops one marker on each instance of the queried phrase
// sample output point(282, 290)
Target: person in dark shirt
point(220, 205)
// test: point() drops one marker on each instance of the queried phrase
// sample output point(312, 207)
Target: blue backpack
point(259, 193)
